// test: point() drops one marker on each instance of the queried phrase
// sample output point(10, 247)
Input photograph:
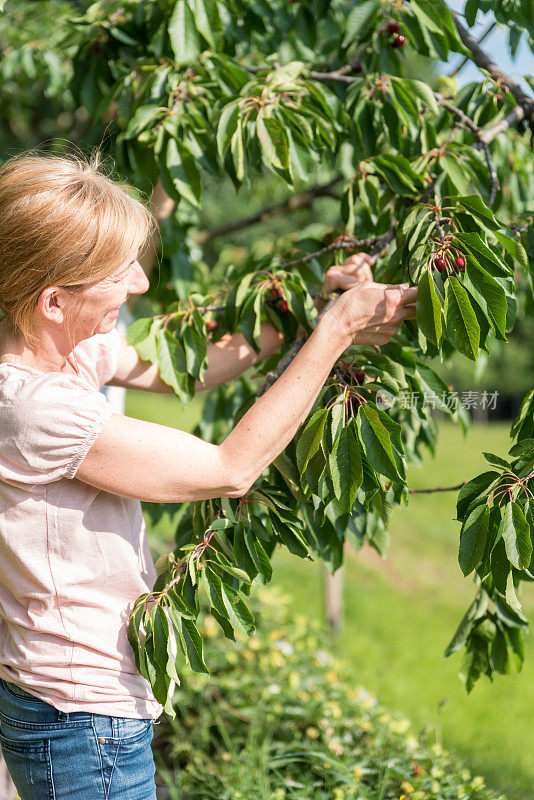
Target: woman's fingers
point(355, 269)
point(340, 280)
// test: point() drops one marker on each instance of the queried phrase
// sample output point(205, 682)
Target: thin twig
point(468, 123)
point(293, 203)
point(438, 489)
point(273, 376)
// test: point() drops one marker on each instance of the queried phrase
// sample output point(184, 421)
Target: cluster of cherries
point(399, 40)
point(394, 27)
point(440, 264)
point(278, 299)
point(211, 325)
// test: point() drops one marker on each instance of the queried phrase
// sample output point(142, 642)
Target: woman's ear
point(52, 303)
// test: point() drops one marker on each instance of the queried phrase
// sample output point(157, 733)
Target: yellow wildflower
point(399, 725)
point(406, 787)
point(336, 747)
point(312, 733)
point(357, 773)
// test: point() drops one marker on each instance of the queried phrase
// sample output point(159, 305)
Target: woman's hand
point(371, 313)
point(355, 269)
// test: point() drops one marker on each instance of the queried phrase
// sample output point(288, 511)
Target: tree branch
point(484, 61)
point(458, 69)
point(378, 243)
point(515, 115)
point(294, 203)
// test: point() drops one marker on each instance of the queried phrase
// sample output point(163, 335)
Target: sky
point(496, 43)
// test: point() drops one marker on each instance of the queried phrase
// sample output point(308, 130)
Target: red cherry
point(498, 97)
point(440, 264)
point(393, 26)
point(274, 293)
point(211, 325)
point(460, 263)
point(284, 308)
point(356, 67)
point(360, 376)
point(398, 41)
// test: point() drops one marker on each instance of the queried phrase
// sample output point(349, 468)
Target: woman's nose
point(138, 282)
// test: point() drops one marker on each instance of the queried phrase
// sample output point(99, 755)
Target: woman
point(75, 715)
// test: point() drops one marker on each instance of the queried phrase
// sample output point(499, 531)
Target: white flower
point(323, 657)
point(284, 646)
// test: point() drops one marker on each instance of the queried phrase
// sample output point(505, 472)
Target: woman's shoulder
point(25, 392)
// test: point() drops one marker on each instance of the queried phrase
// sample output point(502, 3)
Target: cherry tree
point(336, 100)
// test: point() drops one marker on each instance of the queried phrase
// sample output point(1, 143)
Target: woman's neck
point(14, 349)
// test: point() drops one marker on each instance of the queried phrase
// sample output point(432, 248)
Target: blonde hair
point(63, 222)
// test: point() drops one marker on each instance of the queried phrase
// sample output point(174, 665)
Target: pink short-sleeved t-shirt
point(73, 559)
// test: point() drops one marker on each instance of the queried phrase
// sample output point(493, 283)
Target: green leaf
point(346, 469)
point(208, 21)
point(477, 207)
point(429, 308)
point(193, 645)
point(496, 461)
point(472, 490)
point(238, 151)
point(183, 172)
point(214, 590)
point(273, 140)
point(258, 555)
point(461, 323)
point(423, 91)
point(227, 127)
point(487, 258)
point(172, 364)
point(515, 531)
point(183, 34)
point(500, 565)
point(473, 538)
point(376, 442)
point(144, 117)
point(359, 20)
point(310, 438)
point(134, 638)
point(238, 612)
point(139, 330)
point(474, 612)
point(489, 294)
point(456, 173)
point(336, 421)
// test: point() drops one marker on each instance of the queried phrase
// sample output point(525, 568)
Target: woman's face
point(97, 306)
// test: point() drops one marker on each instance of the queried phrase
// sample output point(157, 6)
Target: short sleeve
point(48, 428)
point(97, 358)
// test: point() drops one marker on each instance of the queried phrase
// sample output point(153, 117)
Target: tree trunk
point(333, 597)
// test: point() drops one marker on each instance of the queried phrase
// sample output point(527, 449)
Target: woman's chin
point(106, 325)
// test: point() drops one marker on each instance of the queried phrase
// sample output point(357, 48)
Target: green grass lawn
point(401, 612)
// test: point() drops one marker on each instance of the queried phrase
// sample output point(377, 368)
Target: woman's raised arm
point(152, 462)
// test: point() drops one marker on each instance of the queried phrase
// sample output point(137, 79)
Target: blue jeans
point(54, 755)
